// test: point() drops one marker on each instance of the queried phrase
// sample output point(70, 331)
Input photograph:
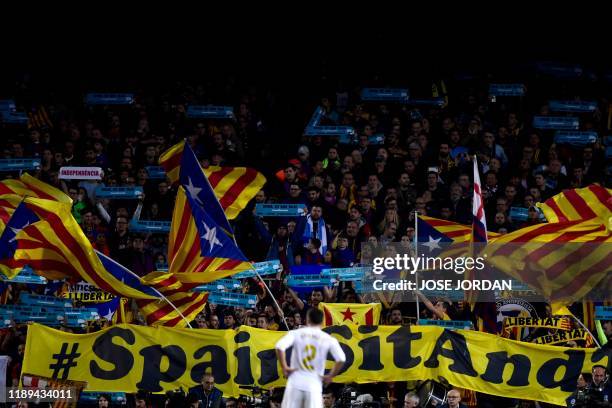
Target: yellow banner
point(127, 358)
point(560, 323)
point(562, 337)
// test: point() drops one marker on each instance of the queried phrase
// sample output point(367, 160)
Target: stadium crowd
point(364, 191)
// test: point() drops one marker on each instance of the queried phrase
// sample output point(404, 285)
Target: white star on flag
point(432, 243)
point(16, 231)
point(211, 236)
point(109, 314)
point(194, 191)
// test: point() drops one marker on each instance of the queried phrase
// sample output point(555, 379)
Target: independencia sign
point(125, 358)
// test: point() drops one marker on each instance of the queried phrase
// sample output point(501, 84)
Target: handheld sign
point(522, 214)
point(26, 275)
point(263, 268)
point(438, 102)
point(572, 106)
point(28, 299)
point(80, 173)
point(556, 122)
point(569, 71)
point(123, 193)
point(156, 172)
point(221, 284)
point(338, 131)
point(575, 138)
point(14, 118)
point(447, 324)
point(109, 99)
point(315, 120)
point(232, 299)
point(210, 112)
point(7, 105)
point(281, 210)
point(309, 280)
point(385, 94)
point(155, 227)
point(506, 90)
point(19, 164)
point(346, 274)
point(603, 312)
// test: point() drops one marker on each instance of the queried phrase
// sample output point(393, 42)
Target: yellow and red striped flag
point(562, 261)
point(576, 204)
point(39, 118)
point(356, 314)
point(56, 247)
point(30, 186)
point(36, 381)
point(160, 313)
point(8, 203)
point(186, 243)
point(234, 187)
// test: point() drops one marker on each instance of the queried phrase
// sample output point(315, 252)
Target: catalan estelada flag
point(234, 187)
point(367, 314)
point(201, 246)
point(54, 246)
point(576, 204)
point(200, 249)
point(32, 187)
point(38, 118)
point(562, 261)
point(8, 203)
point(160, 313)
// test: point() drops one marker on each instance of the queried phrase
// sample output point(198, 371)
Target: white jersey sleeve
point(286, 341)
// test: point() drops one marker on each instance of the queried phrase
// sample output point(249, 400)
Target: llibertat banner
point(126, 358)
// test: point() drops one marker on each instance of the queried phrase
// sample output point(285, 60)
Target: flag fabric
point(585, 203)
point(170, 160)
point(234, 187)
point(108, 309)
point(36, 381)
point(123, 314)
point(21, 217)
point(8, 203)
point(38, 118)
point(485, 311)
point(562, 261)
point(160, 313)
point(32, 187)
point(479, 221)
point(199, 250)
point(196, 184)
point(56, 247)
point(365, 314)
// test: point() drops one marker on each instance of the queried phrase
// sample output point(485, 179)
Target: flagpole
point(155, 290)
point(416, 253)
point(587, 330)
point(280, 311)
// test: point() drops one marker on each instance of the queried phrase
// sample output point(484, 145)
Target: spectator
point(453, 398)
point(207, 394)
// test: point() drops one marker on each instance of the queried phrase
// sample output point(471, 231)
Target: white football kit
point(308, 356)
